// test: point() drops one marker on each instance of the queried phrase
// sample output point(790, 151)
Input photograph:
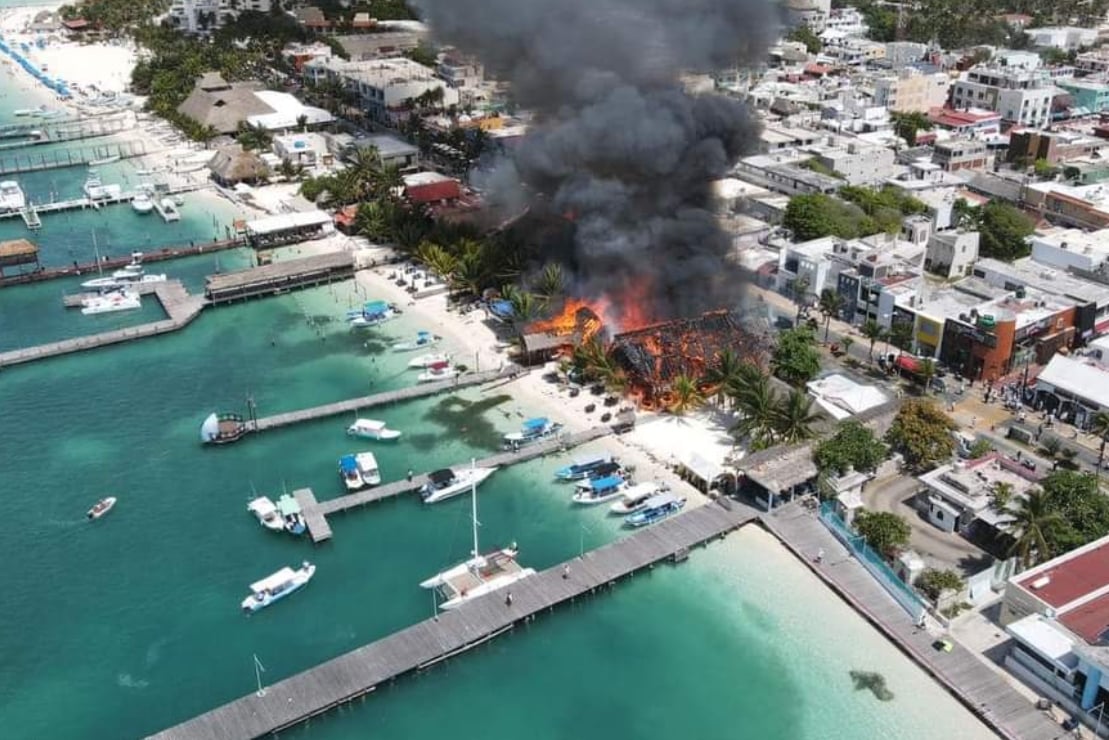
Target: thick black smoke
point(617, 143)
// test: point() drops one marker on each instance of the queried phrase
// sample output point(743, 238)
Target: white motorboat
point(438, 371)
point(11, 196)
point(291, 517)
point(655, 509)
point(599, 490)
point(636, 497)
point(372, 429)
point(447, 483)
point(101, 507)
point(126, 276)
point(424, 361)
point(95, 189)
point(277, 586)
point(423, 340)
point(481, 574)
point(265, 511)
point(586, 467)
point(169, 210)
point(142, 202)
point(22, 112)
point(532, 430)
point(111, 302)
point(359, 470)
point(373, 313)
point(105, 160)
point(348, 470)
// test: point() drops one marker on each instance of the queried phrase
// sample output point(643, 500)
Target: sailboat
point(481, 574)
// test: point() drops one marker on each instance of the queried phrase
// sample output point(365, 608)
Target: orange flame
point(577, 316)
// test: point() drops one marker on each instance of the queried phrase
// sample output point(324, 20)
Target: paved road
point(939, 549)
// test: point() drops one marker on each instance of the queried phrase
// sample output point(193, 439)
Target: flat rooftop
point(1070, 576)
point(1090, 621)
point(969, 484)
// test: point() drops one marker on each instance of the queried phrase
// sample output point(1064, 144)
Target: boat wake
point(126, 681)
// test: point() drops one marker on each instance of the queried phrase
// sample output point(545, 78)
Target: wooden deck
point(279, 277)
point(316, 513)
point(180, 307)
point(422, 645)
point(965, 675)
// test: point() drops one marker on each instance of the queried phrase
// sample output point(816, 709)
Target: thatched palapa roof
point(232, 164)
point(222, 105)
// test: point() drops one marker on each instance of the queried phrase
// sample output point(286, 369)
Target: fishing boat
point(599, 490)
point(438, 371)
point(424, 361)
point(218, 429)
point(423, 340)
point(265, 511)
point(481, 574)
point(371, 429)
point(95, 189)
point(634, 498)
point(373, 313)
point(291, 518)
point(128, 275)
point(655, 509)
point(11, 196)
point(532, 430)
point(583, 468)
point(142, 202)
point(104, 160)
point(101, 507)
point(348, 469)
point(277, 586)
point(447, 483)
point(111, 302)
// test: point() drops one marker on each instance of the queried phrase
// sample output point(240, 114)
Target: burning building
point(653, 356)
point(576, 323)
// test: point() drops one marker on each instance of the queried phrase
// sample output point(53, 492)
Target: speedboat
point(636, 497)
point(265, 511)
point(110, 302)
point(21, 112)
point(481, 574)
point(599, 490)
point(348, 469)
point(438, 371)
point(373, 313)
point(447, 483)
point(277, 586)
point(371, 429)
point(655, 509)
point(583, 468)
point(11, 196)
point(424, 361)
point(142, 202)
point(130, 274)
point(532, 430)
point(101, 507)
point(367, 468)
point(291, 518)
point(423, 340)
point(95, 189)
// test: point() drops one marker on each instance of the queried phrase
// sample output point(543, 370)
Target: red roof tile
point(1090, 620)
point(433, 192)
point(1070, 579)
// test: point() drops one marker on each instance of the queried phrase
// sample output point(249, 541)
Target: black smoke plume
point(617, 143)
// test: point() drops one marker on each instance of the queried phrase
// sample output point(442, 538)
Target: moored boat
point(142, 202)
point(583, 468)
point(655, 509)
point(291, 517)
point(220, 429)
point(438, 371)
point(532, 430)
point(373, 313)
point(101, 507)
point(277, 586)
point(447, 483)
point(371, 429)
point(634, 498)
point(11, 196)
point(121, 300)
point(359, 470)
point(105, 160)
point(423, 340)
point(265, 511)
point(348, 470)
point(424, 361)
point(599, 490)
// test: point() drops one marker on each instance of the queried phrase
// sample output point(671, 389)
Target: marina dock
point(348, 677)
point(315, 513)
point(279, 277)
point(31, 213)
point(180, 307)
point(76, 157)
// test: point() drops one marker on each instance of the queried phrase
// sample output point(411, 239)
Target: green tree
point(794, 418)
point(1099, 426)
point(725, 372)
point(906, 125)
point(1001, 493)
point(846, 343)
point(964, 215)
point(884, 531)
point(933, 582)
point(921, 432)
point(796, 359)
point(873, 332)
point(901, 335)
point(805, 35)
point(979, 449)
point(927, 373)
point(815, 215)
point(758, 405)
point(687, 396)
point(551, 282)
point(1084, 509)
point(830, 304)
point(254, 137)
point(424, 54)
point(852, 446)
point(1044, 169)
point(1033, 528)
point(1004, 231)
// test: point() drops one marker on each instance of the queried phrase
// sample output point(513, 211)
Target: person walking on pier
point(566, 571)
point(508, 599)
point(410, 475)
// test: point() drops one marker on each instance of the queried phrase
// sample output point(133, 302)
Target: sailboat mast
point(96, 251)
point(473, 501)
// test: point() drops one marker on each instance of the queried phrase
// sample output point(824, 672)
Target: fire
point(577, 316)
point(623, 310)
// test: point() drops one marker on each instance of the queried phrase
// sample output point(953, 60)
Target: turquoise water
point(124, 626)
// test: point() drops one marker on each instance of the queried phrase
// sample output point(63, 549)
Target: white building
point(847, 21)
point(859, 164)
point(1062, 37)
point(1019, 95)
point(304, 149)
point(952, 253)
point(382, 85)
point(202, 16)
point(958, 496)
point(1067, 248)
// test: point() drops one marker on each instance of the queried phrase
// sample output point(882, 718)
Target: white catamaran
point(481, 574)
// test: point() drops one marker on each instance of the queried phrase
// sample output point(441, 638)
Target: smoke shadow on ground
point(465, 420)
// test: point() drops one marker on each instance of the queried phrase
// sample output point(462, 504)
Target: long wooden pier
point(279, 277)
point(76, 157)
point(180, 307)
point(316, 513)
point(422, 645)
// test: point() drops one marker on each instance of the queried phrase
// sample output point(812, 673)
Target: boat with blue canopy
point(582, 468)
point(656, 509)
point(422, 340)
point(532, 430)
point(599, 490)
point(373, 313)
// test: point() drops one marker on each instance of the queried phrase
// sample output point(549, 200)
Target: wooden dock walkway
point(279, 277)
point(979, 687)
point(75, 157)
point(351, 405)
point(316, 513)
point(180, 307)
point(422, 645)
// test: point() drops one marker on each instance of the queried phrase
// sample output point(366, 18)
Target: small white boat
point(428, 360)
point(277, 586)
point(11, 196)
point(532, 430)
point(21, 112)
point(447, 483)
point(438, 371)
point(289, 511)
point(95, 189)
point(111, 302)
point(142, 202)
point(265, 511)
point(373, 313)
point(169, 210)
point(371, 429)
point(599, 490)
point(126, 276)
point(359, 470)
point(655, 509)
point(636, 497)
point(102, 507)
point(423, 340)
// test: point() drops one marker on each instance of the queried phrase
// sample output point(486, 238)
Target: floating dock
point(316, 513)
point(279, 277)
point(179, 305)
point(31, 213)
point(422, 645)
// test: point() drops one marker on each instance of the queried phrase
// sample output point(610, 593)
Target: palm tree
point(525, 305)
point(1099, 425)
point(725, 372)
point(387, 181)
point(901, 335)
point(435, 258)
point(873, 332)
point(846, 343)
point(1034, 525)
point(1001, 494)
point(594, 360)
point(830, 304)
point(372, 222)
point(470, 271)
point(794, 417)
point(551, 281)
point(800, 290)
point(302, 122)
point(757, 402)
point(687, 395)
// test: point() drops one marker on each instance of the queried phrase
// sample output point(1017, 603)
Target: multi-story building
point(847, 21)
point(1083, 206)
point(383, 86)
point(459, 71)
point(1090, 95)
point(961, 154)
point(1062, 37)
point(1027, 146)
point(854, 52)
point(975, 122)
point(952, 253)
point(859, 164)
point(902, 53)
point(1071, 248)
point(1093, 61)
point(1019, 95)
point(911, 91)
point(203, 16)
